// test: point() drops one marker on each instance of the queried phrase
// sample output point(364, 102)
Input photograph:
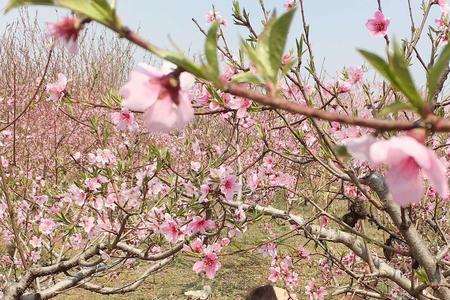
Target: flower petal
point(405, 183)
point(396, 149)
point(437, 174)
point(359, 148)
point(139, 92)
point(164, 115)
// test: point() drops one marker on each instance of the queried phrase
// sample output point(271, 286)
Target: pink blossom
point(378, 25)
point(196, 148)
point(214, 15)
point(314, 291)
point(291, 278)
point(239, 214)
point(102, 158)
point(200, 225)
point(443, 5)
point(289, 4)
point(229, 186)
point(88, 223)
point(253, 181)
point(35, 256)
point(124, 120)
point(4, 161)
point(36, 242)
point(286, 263)
point(156, 249)
point(268, 162)
point(76, 241)
point(57, 89)
point(226, 76)
point(76, 195)
point(76, 156)
point(205, 189)
point(41, 200)
point(303, 252)
point(344, 86)
point(92, 184)
point(406, 158)
point(197, 246)
point(240, 104)
point(355, 75)
point(441, 23)
point(323, 220)
point(209, 265)
point(66, 30)
point(286, 59)
point(195, 166)
point(171, 230)
point(269, 249)
point(275, 273)
point(162, 97)
point(444, 39)
point(225, 242)
point(47, 226)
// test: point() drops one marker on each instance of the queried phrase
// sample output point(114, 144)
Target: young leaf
point(98, 10)
point(407, 86)
point(277, 38)
point(256, 59)
point(397, 73)
point(381, 66)
point(396, 107)
point(211, 50)
point(246, 77)
point(180, 60)
point(422, 276)
point(262, 51)
point(436, 72)
point(18, 3)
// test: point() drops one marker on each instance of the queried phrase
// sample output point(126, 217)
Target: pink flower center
point(228, 184)
point(68, 29)
point(209, 261)
point(170, 86)
point(380, 26)
point(126, 116)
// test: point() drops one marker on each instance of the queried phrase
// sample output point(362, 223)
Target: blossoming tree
point(235, 141)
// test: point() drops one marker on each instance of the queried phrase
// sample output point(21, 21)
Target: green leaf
point(341, 150)
point(287, 67)
point(260, 130)
point(98, 10)
point(262, 51)
point(407, 86)
point(396, 107)
point(18, 3)
point(381, 66)
point(256, 59)
point(436, 72)
point(397, 73)
point(211, 50)
point(277, 38)
point(246, 77)
point(422, 276)
point(180, 60)
point(62, 218)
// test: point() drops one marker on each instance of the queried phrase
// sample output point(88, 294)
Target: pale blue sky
point(337, 27)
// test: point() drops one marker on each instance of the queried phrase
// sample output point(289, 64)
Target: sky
point(337, 27)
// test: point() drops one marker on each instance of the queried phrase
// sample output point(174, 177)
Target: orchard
point(211, 174)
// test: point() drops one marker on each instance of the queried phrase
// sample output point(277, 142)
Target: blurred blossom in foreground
point(162, 97)
point(406, 158)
